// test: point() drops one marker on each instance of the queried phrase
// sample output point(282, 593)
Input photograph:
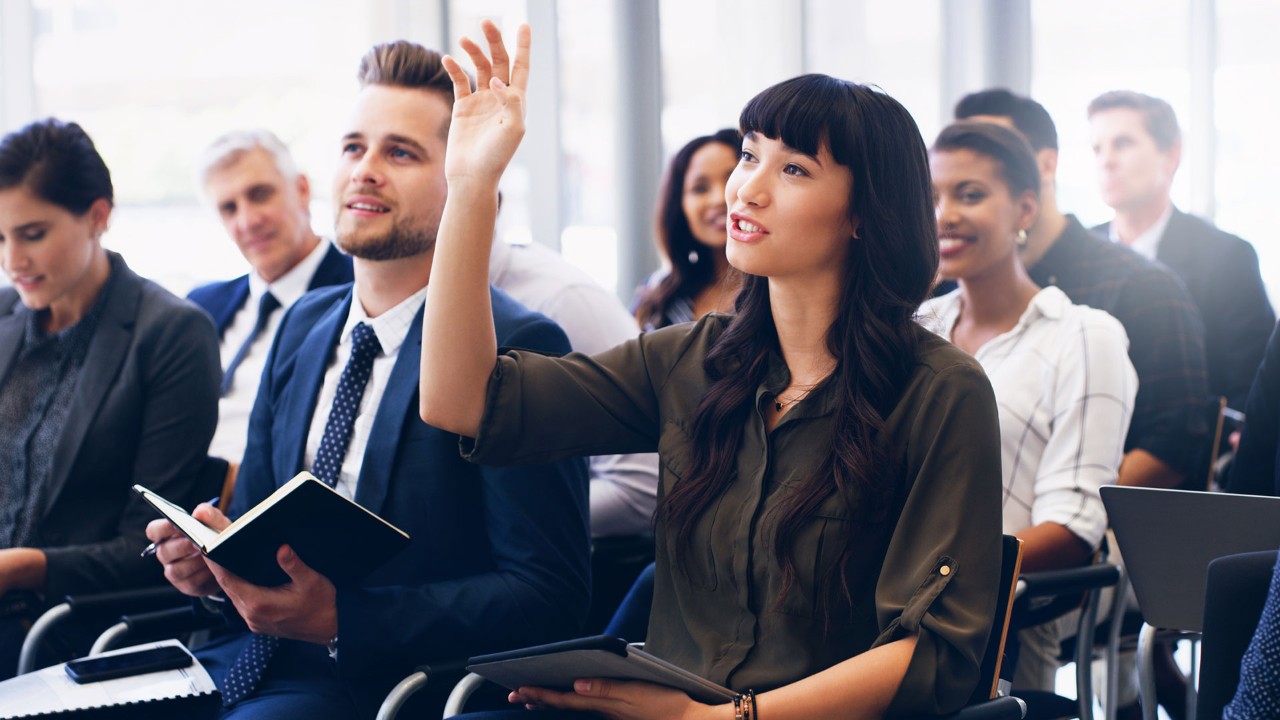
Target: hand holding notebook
point(336, 537)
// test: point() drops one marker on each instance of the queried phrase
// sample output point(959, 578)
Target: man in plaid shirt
point(1168, 441)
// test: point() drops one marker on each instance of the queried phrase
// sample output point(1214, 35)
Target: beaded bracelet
point(744, 706)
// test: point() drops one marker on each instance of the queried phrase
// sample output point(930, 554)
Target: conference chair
point(1046, 596)
point(1168, 538)
point(155, 612)
point(1236, 588)
point(615, 563)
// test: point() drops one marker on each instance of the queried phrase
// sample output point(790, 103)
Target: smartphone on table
point(138, 662)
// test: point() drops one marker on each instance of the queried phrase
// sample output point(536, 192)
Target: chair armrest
point(1065, 588)
point(95, 608)
point(105, 607)
point(461, 692)
point(1072, 580)
point(414, 682)
point(1005, 708)
point(172, 622)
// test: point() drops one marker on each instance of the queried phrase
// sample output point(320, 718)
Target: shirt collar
point(1050, 303)
point(1148, 242)
point(293, 284)
point(818, 402)
point(391, 326)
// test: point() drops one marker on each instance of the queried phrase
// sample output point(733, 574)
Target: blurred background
point(618, 85)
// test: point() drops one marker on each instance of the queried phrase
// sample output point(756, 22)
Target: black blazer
point(145, 407)
point(1253, 472)
point(222, 300)
point(1220, 271)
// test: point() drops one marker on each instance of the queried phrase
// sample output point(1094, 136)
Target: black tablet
point(557, 665)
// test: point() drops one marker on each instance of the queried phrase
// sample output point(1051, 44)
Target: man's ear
point(304, 189)
point(1047, 162)
point(1173, 158)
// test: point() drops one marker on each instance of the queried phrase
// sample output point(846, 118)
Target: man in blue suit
point(498, 556)
point(264, 203)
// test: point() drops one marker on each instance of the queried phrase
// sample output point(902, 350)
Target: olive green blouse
point(930, 570)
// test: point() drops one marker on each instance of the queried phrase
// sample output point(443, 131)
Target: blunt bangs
point(800, 113)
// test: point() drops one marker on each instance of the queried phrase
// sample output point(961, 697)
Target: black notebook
point(336, 537)
point(557, 665)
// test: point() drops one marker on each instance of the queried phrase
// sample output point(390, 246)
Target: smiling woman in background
point(1061, 372)
point(692, 235)
point(106, 380)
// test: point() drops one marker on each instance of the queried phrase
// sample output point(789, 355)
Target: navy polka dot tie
point(247, 670)
point(346, 403)
point(245, 673)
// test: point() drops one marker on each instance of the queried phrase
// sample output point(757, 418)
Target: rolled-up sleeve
point(1093, 402)
point(941, 573)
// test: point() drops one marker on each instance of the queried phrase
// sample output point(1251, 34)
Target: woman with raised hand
point(828, 530)
point(106, 380)
point(692, 234)
point(1061, 372)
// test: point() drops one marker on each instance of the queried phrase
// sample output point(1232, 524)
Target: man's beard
point(400, 242)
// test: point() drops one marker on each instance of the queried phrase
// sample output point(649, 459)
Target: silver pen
point(150, 550)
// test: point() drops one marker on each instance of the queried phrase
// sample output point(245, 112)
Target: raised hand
point(488, 123)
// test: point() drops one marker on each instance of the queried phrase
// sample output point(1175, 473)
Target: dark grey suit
point(145, 407)
point(1220, 271)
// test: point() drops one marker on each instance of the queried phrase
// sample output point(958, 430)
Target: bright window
point(1246, 103)
point(1084, 48)
point(153, 82)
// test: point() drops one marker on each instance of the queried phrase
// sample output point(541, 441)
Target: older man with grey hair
point(263, 201)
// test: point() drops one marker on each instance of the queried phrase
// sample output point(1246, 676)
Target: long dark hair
point(888, 272)
point(692, 268)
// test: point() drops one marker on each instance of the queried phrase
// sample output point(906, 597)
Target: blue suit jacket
point(499, 557)
point(222, 300)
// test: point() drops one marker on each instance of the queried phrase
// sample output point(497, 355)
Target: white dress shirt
point(231, 436)
point(1148, 243)
point(1064, 387)
point(391, 327)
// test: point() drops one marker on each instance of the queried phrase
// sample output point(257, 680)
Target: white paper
point(51, 689)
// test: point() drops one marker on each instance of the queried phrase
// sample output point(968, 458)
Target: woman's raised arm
point(458, 344)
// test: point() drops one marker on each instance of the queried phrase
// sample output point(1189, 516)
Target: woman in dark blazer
point(106, 380)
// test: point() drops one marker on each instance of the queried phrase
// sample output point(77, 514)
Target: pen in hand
point(150, 549)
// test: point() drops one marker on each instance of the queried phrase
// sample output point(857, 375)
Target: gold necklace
point(779, 404)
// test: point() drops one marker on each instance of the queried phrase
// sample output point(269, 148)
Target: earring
point(857, 235)
point(1022, 238)
point(693, 257)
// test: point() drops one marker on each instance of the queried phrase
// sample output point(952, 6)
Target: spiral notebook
point(50, 693)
